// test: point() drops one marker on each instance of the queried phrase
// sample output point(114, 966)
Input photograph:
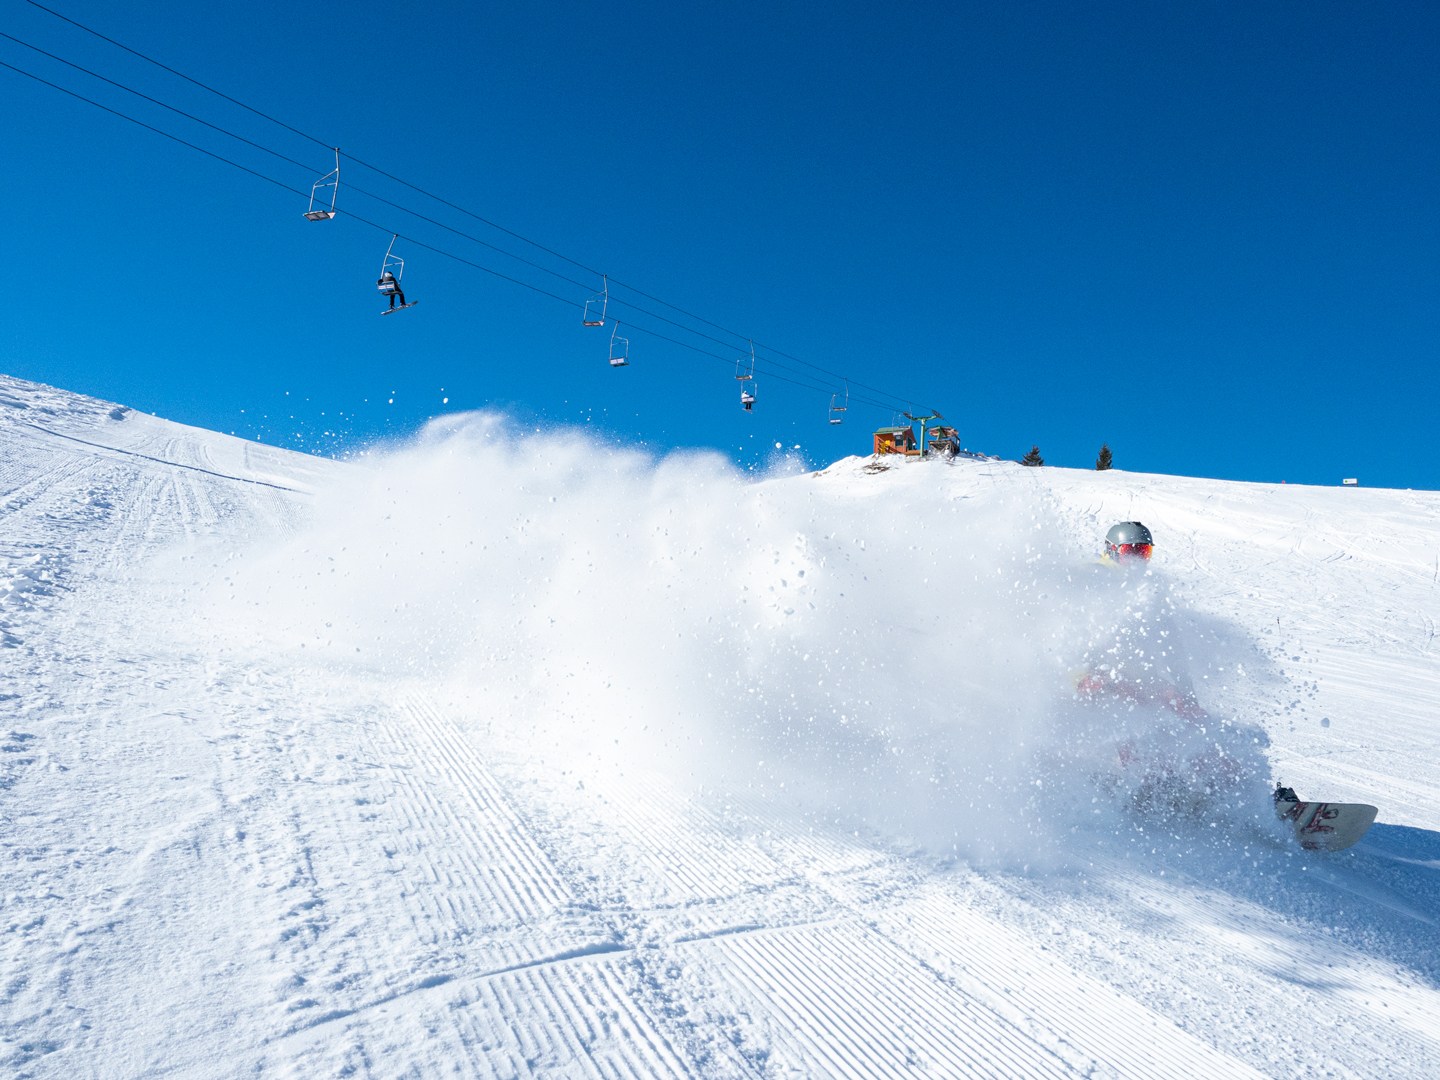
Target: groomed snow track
point(218, 862)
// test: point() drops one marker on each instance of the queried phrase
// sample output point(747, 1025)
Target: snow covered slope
point(517, 754)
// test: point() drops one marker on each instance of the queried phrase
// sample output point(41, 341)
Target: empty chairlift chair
point(619, 348)
point(596, 306)
point(318, 210)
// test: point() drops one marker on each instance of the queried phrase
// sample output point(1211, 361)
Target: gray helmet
point(1129, 538)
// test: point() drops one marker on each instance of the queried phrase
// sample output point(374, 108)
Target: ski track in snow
point(223, 860)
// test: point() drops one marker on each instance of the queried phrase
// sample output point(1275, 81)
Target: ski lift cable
point(279, 183)
point(172, 71)
point(375, 225)
point(770, 361)
point(306, 135)
point(413, 240)
point(153, 101)
point(151, 127)
point(352, 158)
point(484, 220)
point(357, 190)
point(770, 375)
point(416, 242)
point(723, 329)
point(611, 280)
point(291, 161)
point(733, 333)
point(445, 202)
point(473, 239)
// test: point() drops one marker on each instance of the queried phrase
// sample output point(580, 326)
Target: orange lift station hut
point(896, 440)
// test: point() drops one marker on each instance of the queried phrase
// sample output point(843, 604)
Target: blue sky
point(1205, 234)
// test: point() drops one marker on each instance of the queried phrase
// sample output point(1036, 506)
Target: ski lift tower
point(924, 422)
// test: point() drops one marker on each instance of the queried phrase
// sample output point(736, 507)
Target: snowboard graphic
point(1326, 826)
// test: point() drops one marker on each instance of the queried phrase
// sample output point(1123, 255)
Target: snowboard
point(1325, 826)
point(402, 307)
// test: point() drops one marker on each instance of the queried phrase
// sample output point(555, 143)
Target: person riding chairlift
point(388, 285)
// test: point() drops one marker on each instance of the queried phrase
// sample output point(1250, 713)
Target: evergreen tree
point(1033, 457)
point(1103, 461)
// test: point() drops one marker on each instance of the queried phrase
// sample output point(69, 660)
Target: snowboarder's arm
point(1106, 684)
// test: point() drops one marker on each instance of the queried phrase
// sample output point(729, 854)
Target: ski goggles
point(1139, 551)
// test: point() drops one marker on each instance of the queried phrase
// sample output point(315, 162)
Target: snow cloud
point(892, 651)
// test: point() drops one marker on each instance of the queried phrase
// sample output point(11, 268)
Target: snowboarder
point(1170, 753)
point(391, 287)
point(1139, 700)
point(1128, 541)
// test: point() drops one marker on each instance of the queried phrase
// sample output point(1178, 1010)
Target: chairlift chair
point(619, 348)
point(393, 265)
point(392, 270)
point(596, 306)
point(836, 410)
point(330, 180)
point(745, 366)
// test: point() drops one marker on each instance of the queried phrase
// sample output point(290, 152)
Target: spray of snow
point(895, 652)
